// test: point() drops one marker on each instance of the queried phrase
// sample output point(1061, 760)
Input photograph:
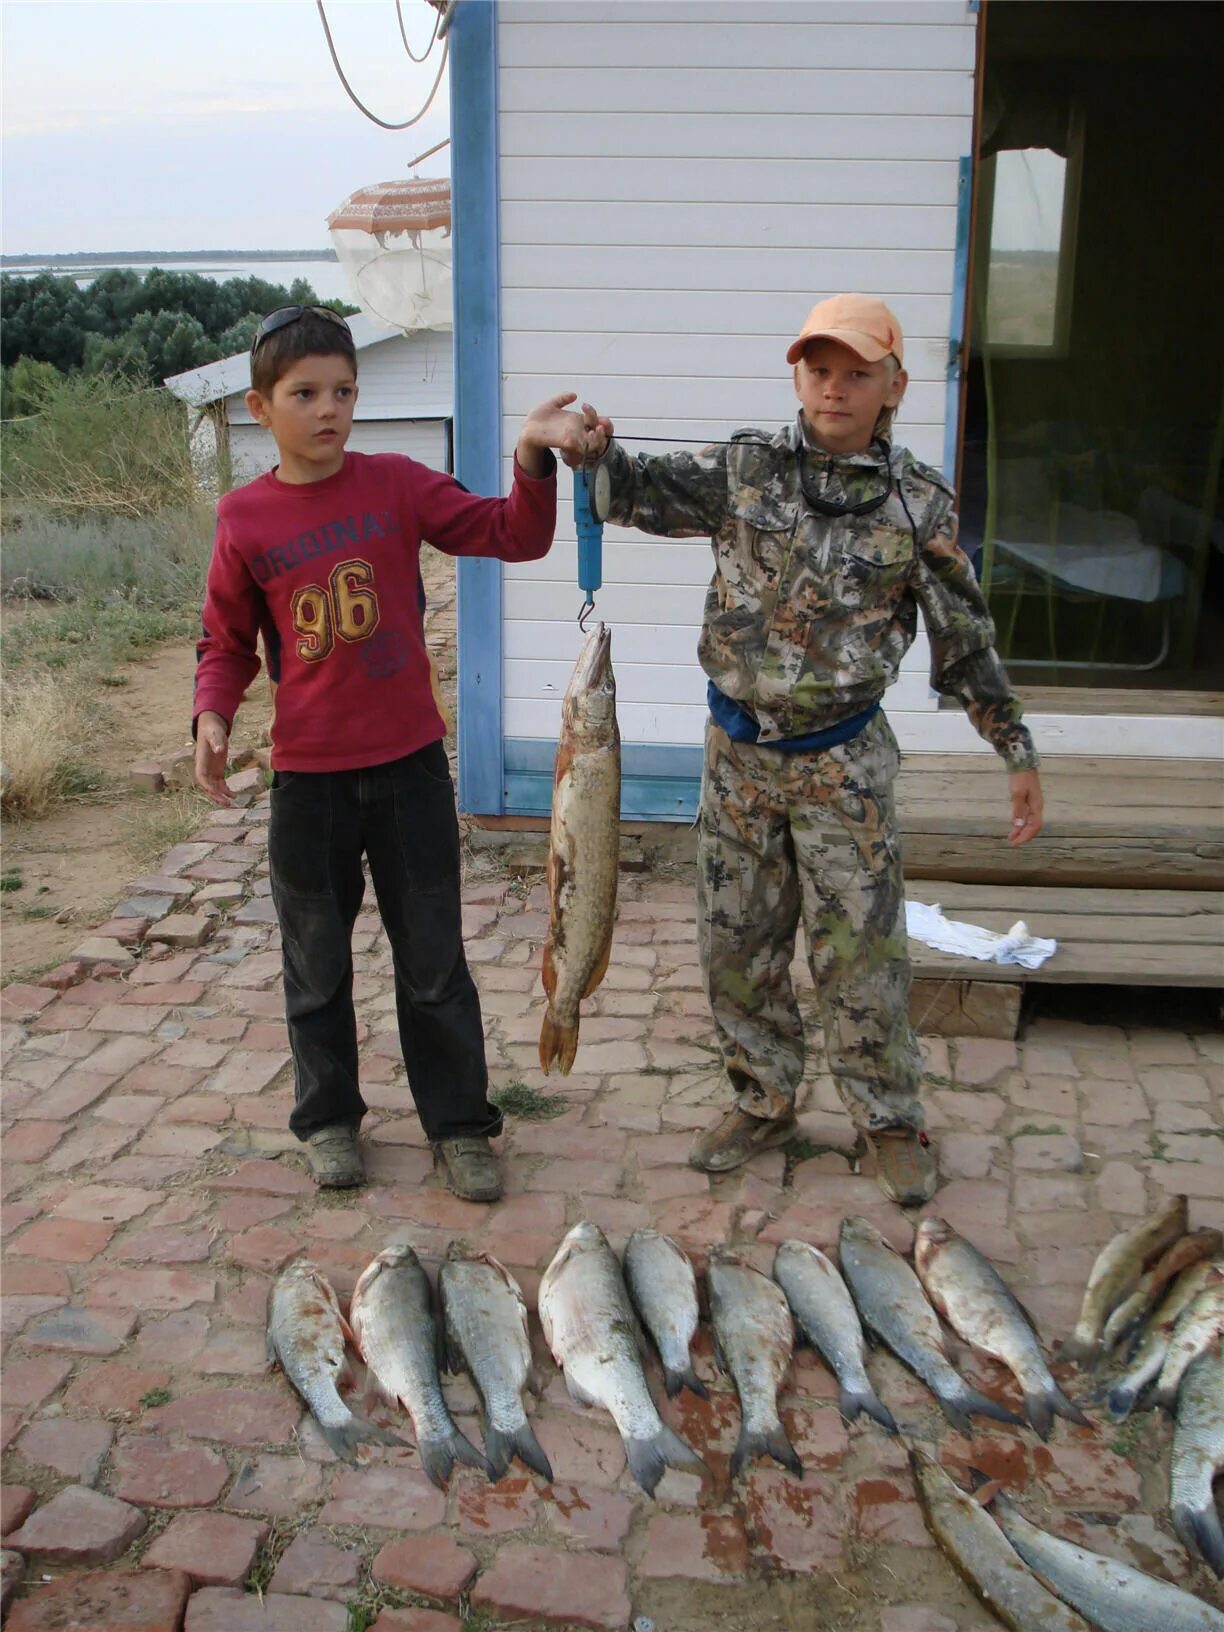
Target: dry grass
point(164, 822)
point(46, 723)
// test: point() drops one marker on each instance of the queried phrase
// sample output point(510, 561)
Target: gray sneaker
point(736, 1138)
point(470, 1167)
point(334, 1158)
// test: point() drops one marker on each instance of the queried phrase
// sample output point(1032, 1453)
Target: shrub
point(45, 726)
point(151, 562)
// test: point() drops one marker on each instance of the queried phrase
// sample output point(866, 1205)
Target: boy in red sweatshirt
point(321, 557)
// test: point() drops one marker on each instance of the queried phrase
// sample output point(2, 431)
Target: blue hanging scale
point(592, 499)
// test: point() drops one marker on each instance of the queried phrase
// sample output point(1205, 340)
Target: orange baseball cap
point(861, 322)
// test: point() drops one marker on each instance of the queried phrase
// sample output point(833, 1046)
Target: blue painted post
point(474, 225)
point(956, 324)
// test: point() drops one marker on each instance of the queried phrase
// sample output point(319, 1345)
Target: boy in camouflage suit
point(827, 538)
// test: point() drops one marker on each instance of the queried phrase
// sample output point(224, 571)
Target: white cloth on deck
point(928, 924)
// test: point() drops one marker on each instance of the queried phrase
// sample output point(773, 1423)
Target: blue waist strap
point(741, 726)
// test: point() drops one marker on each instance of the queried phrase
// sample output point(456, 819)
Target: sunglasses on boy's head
point(283, 316)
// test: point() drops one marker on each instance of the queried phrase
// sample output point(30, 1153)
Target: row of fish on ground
point(593, 1308)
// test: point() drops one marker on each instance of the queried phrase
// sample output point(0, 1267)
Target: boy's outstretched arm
point(576, 436)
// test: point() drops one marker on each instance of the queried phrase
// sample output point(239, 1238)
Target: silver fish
point(393, 1326)
point(306, 1333)
point(1198, 1456)
point(892, 1303)
point(664, 1291)
point(753, 1337)
point(973, 1298)
point(824, 1312)
point(1198, 1247)
point(1113, 1596)
point(1153, 1346)
point(484, 1319)
point(984, 1557)
point(1117, 1272)
point(593, 1333)
point(1199, 1325)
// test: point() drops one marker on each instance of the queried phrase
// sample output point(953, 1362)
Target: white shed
point(404, 400)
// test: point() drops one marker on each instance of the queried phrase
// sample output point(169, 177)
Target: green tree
point(26, 387)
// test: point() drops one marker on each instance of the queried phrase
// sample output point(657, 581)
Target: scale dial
point(599, 487)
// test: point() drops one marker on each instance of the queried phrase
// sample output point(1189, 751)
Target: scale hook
point(588, 606)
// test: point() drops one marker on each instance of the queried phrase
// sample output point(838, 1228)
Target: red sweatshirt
point(329, 573)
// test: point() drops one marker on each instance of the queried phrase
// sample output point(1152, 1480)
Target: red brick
point(391, 1495)
point(225, 1609)
point(581, 1448)
point(417, 1620)
point(74, 1093)
point(18, 1310)
point(31, 1141)
point(264, 1247)
point(273, 1178)
point(281, 1486)
point(214, 1549)
point(113, 1387)
point(885, 1510)
point(166, 1246)
point(697, 1546)
point(74, 1330)
point(22, 1002)
point(797, 1525)
point(16, 1505)
point(79, 1526)
point(65, 1240)
point(75, 1449)
point(209, 1109)
point(134, 1110)
point(434, 1565)
point(1087, 1476)
point(108, 1601)
point(596, 1518)
point(234, 1351)
point(247, 1071)
point(64, 975)
point(232, 1416)
point(164, 1078)
point(150, 1289)
point(30, 1382)
point(151, 1471)
point(109, 1203)
point(549, 1587)
point(493, 1510)
point(435, 1209)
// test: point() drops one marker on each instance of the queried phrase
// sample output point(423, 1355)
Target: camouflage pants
point(814, 835)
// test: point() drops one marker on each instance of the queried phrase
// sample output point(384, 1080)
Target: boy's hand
point(577, 437)
point(1026, 807)
point(212, 752)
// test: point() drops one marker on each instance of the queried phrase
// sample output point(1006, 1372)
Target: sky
point(203, 124)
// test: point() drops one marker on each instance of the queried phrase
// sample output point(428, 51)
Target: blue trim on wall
point(658, 783)
point(477, 293)
point(956, 325)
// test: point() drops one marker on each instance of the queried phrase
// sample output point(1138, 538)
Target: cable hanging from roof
point(399, 14)
point(384, 124)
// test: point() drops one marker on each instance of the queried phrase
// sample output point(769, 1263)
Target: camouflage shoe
point(470, 1167)
point(905, 1164)
point(333, 1157)
point(736, 1138)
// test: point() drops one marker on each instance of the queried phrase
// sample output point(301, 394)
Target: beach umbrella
point(393, 240)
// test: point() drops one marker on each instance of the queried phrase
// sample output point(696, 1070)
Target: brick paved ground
point(151, 1190)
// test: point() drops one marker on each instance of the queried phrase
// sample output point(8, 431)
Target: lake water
point(326, 278)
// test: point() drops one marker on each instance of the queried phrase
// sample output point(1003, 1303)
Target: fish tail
point(753, 1445)
point(969, 1403)
point(558, 1043)
point(502, 1446)
point(1080, 1348)
point(852, 1401)
point(438, 1457)
point(675, 1378)
point(344, 1437)
point(1121, 1401)
point(648, 1458)
point(1200, 1531)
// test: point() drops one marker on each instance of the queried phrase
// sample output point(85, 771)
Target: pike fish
point(1117, 1272)
point(824, 1312)
point(893, 1306)
point(1113, 1596)
point(583, 849)
point(306, 1333)
point(484, 1319)
point(1153, 1346)
point(753, 1338)
point(593, 1333)
point(1195, 1248)
point(393, 1326)
point(1199, 1325)
point(1198, 1456)
point(976, 1302)
point(664, 1292)
point(984, 1557)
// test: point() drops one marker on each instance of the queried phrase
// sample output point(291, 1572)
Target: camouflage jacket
point(808, 616)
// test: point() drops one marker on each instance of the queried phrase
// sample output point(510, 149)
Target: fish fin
point(576, 1391)
point(751, 1446)
point(1080, 1350)
point(973, 1404)
point(851, 1403)
point(548, 973)
point(674, 1381)
point(1066, 1408)
point(438, 1457)
point(1200, 1531)
point(1121, 1402)
point(601, 966)
point(345, 1438)
point(501, 1448)
point(1039, 1409)
point(349, 1338)
point(648, 1458)
point(558, 1044)
point(957, 1417)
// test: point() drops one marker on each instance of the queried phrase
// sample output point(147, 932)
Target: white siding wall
point(680, 181)
point(252, 450)
point(411, 375)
